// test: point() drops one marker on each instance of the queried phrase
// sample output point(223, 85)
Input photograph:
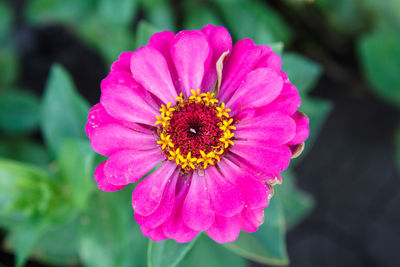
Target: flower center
point(195, 132)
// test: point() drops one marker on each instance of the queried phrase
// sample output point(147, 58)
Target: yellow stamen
point(226, 140)
point(227, 125)
point(209, 98)
point(206, 158)
point(188, 161)
point(165, 141)
point(175, 155)
point(167, 110)
point(220, 152)
point(222, 111)
point(162, 120)
point(196, 95)
point(179, 98)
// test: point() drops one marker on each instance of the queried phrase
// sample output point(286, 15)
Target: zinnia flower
point(222, 120)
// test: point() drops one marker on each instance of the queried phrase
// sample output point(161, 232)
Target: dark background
point(350, 169)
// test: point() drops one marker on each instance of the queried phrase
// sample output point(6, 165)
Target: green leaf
point(197, 16)
point(249, 247)
point(12, 220)
point(272, 233)
point(167, 253)
point(345, 16)
point(63, 111)
point(108, 234)
point(143, 33)
point(19, 112)
point(159, 13)
point(115, 39)
point(23, 187)
point(207, 253)
point(76, 159)
point(117, 12)
point(317, 110)
point(296, 203)
point(8, 64)
point(383, 16)
point(255, 20)
point(380, 57)
point(277, 47)
point(6, 19)
point(25, 151)
point(51, 250)
point(267, 245)
point(47, 11)
point(27, 236)
point(302, 72)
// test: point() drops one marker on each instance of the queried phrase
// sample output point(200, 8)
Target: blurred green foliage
point(380, 58)
point(47, 192)
point(19, 112)
point(63, 113)
point(8, 57)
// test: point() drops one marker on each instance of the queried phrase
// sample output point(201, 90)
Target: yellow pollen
point(188, 161)
point(227, 138)
point(196, 95)
point(209, 98)
point(179, 98)
point(222, 111)
point(167, 110)
point(162, 120)
point(206, 158)
point(227, 125)
point(220, 152)
point(175, 155)
point(165, 141)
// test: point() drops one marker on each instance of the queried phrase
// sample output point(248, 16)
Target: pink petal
point(255, 193)
point(175, 227)
point(245, 55)
point(111, 138)
point(97, 117)
point(270, 178)
point(260, 87)
point(220, 41)
point(287, 102)
point(226, 198)
point(251, 219)
point(150, 69)
point(148, 193)
point(162, 42)
point(155, 234)
point(161, 214)
point(128, 166)
point(102, 181)
point(302, 128)
point(123, 63)
point(269, 59)
point(190, 51)
point(247, 114)
point(272, 129)
point(197, 210)
point(266, 159)
point(224, 229)
point(124, 99)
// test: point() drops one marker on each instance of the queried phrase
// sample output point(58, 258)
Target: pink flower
point(221, 119)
